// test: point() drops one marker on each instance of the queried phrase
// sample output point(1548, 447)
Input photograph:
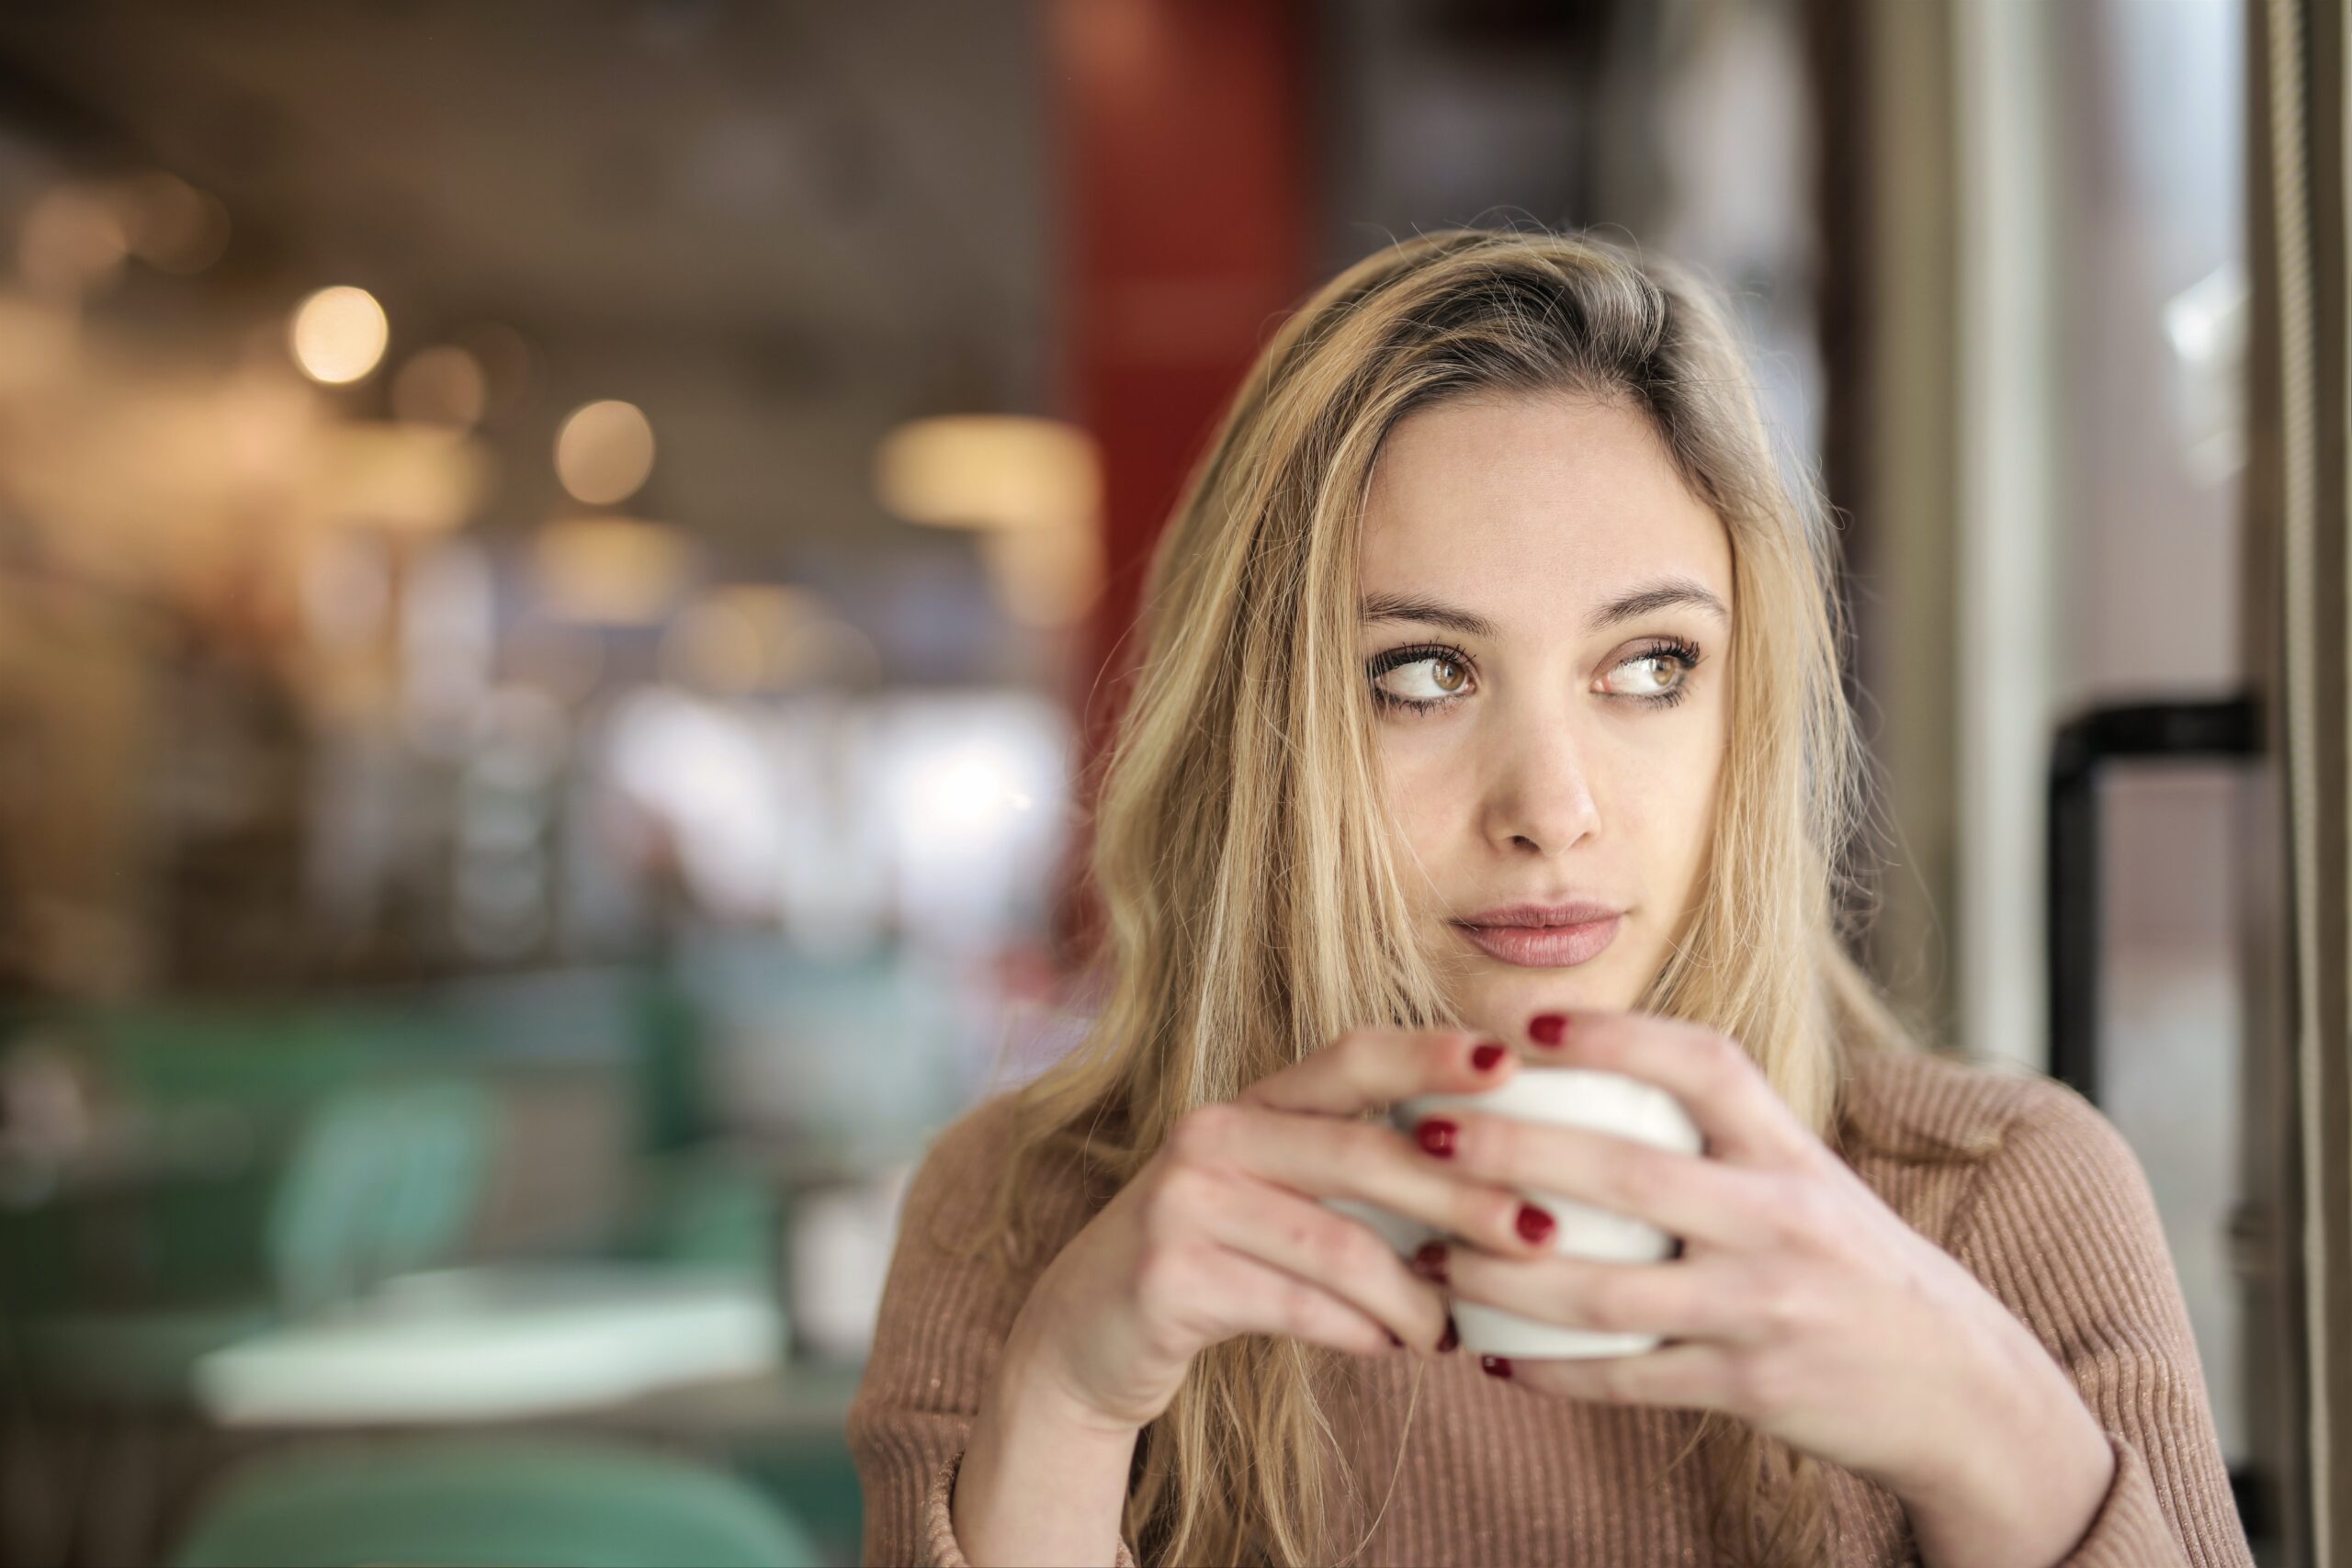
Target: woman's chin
point(1502, 997)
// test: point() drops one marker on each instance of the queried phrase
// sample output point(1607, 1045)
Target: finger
point(1690, 1196)
point(1737, 1109)
point(1319, 1157)
point(1676, 1301)
point(1367, 1068)
point(1680, 1377)
point(1330, 1252)
point(1267, 1300)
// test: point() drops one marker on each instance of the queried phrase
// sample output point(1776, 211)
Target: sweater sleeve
point(2064, 1229)
point(942, 1321)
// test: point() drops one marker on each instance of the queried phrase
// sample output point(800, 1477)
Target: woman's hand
point(1800, 1303)
point(1221, 1233)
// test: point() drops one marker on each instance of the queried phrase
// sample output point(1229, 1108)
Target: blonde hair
point(1252, 908)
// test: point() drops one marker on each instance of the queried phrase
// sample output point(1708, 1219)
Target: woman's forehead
point(1546, 509)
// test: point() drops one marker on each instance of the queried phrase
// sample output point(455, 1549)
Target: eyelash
point(1681, 652)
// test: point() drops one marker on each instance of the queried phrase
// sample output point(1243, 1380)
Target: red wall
point(1186, 224)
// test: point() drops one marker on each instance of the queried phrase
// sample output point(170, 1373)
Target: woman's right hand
point(1221, 1233)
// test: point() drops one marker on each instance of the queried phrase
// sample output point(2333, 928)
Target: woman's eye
point(1425, 680)
point(1658, 674)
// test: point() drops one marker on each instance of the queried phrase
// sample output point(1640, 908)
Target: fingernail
point(1487, 1057)
point(1436, 1136)
point(1429, 1262)
point(1547, 1027)
point(1534, 1224)
point(1495, 1366)
point(1450, 1341)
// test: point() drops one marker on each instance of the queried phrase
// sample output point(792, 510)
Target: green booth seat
point(382, 1179)
point(495, 1503)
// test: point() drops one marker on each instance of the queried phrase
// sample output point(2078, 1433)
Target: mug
point(1567, 1096)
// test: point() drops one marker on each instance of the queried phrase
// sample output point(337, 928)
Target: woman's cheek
point(1416, 758)
point(1418, 806)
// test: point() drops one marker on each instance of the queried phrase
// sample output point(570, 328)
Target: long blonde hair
point(1251, 907)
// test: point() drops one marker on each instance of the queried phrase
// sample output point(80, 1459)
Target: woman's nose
point(1540, 792)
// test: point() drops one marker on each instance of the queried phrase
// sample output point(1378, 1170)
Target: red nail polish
point(1487, 1057)
point(1534, 1224)
point(1547, 1027)
point(1450, 1341)
point(1436, 1135)
point(1429, 1262)
point(1495, 1366)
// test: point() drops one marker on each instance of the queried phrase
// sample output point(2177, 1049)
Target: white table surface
point(499, 1343)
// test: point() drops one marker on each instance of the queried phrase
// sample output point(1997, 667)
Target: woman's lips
point(1543, 947)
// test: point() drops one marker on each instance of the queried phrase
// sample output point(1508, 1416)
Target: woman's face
point(1546, 629)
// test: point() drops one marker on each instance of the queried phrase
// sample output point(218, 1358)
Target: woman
point(1491, 715)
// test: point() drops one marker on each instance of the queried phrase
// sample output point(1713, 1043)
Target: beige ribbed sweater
point(2058, 1223)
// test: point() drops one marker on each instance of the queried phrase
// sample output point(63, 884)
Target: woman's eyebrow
point(1661, 594)
point(1414, 607)
point(1666, 593)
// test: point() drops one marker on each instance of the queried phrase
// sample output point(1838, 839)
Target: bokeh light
point(612, 571)
point(442, 385)
point(338, 334)
point(990, 471)
point(171, 225)
point(604, 452)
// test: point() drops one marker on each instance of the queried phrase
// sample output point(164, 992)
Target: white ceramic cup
point(1567, 1096)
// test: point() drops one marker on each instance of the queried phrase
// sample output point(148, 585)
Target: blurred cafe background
point(564, 568)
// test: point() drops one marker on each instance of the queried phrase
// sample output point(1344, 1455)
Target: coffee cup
point(1566, 1097)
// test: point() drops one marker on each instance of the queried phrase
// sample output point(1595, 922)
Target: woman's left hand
point(1801, 1304)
